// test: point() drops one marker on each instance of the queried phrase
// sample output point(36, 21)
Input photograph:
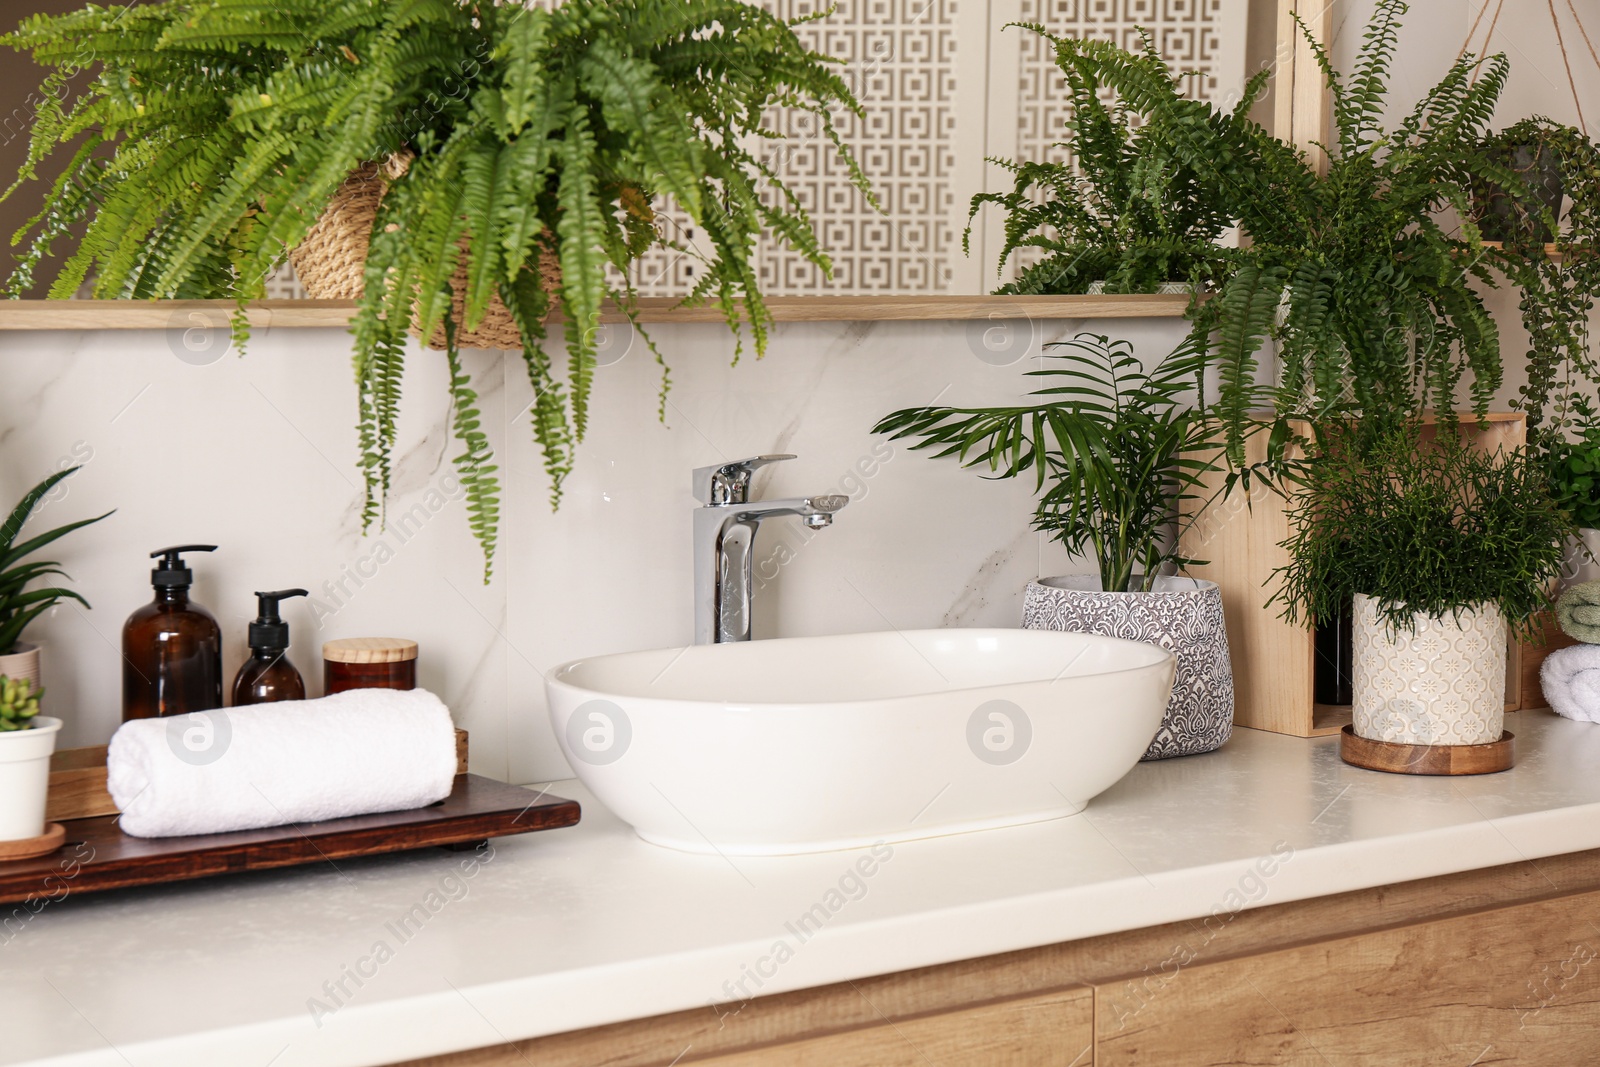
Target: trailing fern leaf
point(473, 464)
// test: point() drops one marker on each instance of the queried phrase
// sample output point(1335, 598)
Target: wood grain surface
point(1396, 758)
point(101, 856)
point(265, 314)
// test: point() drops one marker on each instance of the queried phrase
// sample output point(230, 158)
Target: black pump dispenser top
point(171, 571)
point(269, 633)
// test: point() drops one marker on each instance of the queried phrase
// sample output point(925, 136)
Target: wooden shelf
point(1551, 250)
point(264, 314)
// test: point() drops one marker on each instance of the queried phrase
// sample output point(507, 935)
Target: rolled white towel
point(296, 761)
point(1570, 678)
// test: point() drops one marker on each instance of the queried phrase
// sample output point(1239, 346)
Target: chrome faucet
point(725, 528)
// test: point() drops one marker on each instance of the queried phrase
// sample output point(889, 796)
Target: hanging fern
point(215, 133)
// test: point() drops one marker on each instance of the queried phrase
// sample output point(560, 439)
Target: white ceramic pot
point(1442, 684)
point(1181, 615)
point(23, 663)
point(25, 778)
point(1583, 559)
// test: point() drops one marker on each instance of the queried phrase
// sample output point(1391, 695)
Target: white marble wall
point(192, 443)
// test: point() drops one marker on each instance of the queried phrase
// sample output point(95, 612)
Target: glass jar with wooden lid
point(369, 663)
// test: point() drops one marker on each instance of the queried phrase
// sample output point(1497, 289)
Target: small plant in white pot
point(1573, 468)
point(1439, 547)
point(26, 741)
point(26, 737)
point(1114, 450)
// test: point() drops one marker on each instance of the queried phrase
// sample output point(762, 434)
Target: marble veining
point(192, 441)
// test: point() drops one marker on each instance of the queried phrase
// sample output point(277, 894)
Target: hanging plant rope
point(1555, 21)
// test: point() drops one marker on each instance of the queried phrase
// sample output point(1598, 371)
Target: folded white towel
point(1570, 678)
point(296, 761)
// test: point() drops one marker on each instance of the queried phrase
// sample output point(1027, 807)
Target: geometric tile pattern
point(899, 57)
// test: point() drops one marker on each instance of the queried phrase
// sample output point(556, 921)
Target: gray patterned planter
point(1182, 615)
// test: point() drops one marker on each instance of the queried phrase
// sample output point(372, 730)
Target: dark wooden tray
point(98, 855)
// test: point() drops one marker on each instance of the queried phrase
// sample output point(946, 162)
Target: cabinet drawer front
point(1052, 1030)
point(1511, 985)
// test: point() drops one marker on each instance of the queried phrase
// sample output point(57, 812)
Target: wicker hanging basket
point(331, 260)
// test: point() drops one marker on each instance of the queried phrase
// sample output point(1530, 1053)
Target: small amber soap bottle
point(171, 647)
point(268, 676)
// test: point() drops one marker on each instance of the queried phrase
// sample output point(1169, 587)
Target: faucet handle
point(729, 483)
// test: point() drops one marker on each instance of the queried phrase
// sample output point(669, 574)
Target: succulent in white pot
point(1438, 548)
point(26, 741)
point(1114, 449)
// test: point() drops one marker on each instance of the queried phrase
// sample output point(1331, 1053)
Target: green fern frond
point(474, 464)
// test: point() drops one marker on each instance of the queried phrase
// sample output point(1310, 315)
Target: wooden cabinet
point(1509, 985)
point(1498, 966)
point(1052, 1030)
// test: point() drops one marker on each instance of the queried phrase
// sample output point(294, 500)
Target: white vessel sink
point(816, 743)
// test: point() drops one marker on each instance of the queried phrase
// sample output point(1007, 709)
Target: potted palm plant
point(1439, 547)
point(26, 737)
point(1114, 450)
point(445, 159)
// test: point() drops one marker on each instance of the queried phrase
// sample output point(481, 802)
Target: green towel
point(1578, 611)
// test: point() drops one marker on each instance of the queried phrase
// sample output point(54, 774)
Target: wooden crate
point(1272, 659)
point(1532, 654)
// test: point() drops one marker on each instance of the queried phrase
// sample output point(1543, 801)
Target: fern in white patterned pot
point(1437, 547)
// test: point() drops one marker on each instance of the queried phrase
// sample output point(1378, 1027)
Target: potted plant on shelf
point(1539, 195)
point(1523, 210)
point(1113, 450)
point(1573, 470)
point(1124, 214)
point(20, 605)
point(26, 738)
point(1439, 546)
point(475, 141)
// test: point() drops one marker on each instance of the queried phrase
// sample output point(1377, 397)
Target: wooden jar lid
point(369, 650)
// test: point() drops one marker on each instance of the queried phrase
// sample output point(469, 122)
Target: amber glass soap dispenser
point(268, 675)
point(171, 647)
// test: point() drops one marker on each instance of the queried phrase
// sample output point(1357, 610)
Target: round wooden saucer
point(1425, 759)
point(29, 847)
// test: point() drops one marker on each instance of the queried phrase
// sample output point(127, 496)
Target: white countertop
point(574, 928)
